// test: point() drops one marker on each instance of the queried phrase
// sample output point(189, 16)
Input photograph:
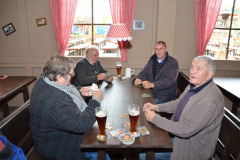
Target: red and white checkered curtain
point(122, 12)
point(63, 12)
point(206, 14)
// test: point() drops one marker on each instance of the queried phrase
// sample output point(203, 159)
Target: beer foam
point(134, 113)
point(101, 114)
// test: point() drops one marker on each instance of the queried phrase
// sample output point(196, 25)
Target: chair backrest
point(183, 82)
point(16, 127)
point(229, 138)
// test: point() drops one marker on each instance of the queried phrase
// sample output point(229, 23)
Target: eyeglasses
point(72, 74)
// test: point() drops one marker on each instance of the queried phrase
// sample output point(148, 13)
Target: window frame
point(92, 23)
point(229, 29)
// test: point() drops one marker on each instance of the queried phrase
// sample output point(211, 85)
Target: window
point(225, 39)
point(91, 25)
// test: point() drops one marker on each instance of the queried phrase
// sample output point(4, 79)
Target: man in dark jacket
point(89, 69)
point(160, 75)
point(59, 115)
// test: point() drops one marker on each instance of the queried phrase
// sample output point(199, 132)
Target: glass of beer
point(119, 67)
point(133, 111)
point(101, 116)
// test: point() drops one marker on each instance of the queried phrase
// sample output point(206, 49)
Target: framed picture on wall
point(41, 21)
point(8, 29)
point(139, 25)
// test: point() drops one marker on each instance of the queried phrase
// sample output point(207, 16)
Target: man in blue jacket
point(160, 75)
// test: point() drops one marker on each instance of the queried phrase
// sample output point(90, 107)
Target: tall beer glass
point(101, 116)
point(133, 111)
point(119, 67)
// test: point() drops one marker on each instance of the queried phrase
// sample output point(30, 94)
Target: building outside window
point(91, 25)
point(225, 39)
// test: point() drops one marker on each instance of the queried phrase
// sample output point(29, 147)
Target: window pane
point(101, 12)
point(236, 15)
point(216, 47)
point(224, 17)
point(83, 12)
point(234, 46)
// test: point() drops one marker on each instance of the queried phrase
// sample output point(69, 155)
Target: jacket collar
point(154, 57)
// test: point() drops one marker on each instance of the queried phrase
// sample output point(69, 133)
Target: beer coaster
point(103, 138)
point(146, 95)
point(136, 134)
point(125, 124)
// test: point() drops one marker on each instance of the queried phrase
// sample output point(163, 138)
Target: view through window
point(225, 39)
point(91, 25)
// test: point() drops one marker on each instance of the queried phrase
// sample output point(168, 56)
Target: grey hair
point(210, 63)
point(90, 48)
point(57, 65)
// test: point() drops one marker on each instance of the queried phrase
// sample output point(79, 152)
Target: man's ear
point(210, 75)
point(59, 78)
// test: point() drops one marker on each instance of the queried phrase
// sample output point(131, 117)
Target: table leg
point(25, 93)
point(5, 108)
point(150, 154)
point(235, 106)
point(102, 153)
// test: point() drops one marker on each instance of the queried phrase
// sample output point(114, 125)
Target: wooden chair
point(228, 146)
point(183, 82)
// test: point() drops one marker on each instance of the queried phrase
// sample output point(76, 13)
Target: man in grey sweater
point(197, 115)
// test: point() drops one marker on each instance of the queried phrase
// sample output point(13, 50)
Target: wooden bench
point(78, 48)
point(16, 127)
point(110, 48)
point(228, 145)
point(17, 130)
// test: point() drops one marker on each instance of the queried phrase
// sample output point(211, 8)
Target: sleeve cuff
point(97, 99)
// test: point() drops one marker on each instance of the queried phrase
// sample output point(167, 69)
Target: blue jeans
point(94, 156)
point(159, 101)
point(159, 155)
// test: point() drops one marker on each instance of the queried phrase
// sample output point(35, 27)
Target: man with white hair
point(89, 69)
point(197, 115)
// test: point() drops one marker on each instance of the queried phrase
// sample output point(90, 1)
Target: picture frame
point(41, 21)
point(8, 29)
point(139, 24)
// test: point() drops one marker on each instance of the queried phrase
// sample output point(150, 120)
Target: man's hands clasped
point(146, 84)
point(149, 109)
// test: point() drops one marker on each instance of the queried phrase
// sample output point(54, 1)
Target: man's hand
point(110, 79)
point(102, 76)
point(98, 94)
point(149, 115)
point(147, 84)
point(150, 106)
point(85, 91)
point(137, 82)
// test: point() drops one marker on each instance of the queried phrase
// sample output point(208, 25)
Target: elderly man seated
point(197, 115)
point(89, 69)
point(59, 116)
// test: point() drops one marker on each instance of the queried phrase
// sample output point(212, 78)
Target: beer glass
point(101, 116)
point(119, 67)
point(133, 111)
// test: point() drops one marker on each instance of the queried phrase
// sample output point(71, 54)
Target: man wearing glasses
point(59, 115)
point(89, 70)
